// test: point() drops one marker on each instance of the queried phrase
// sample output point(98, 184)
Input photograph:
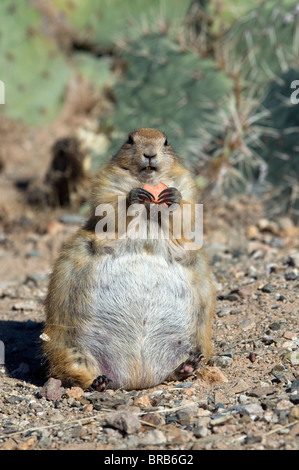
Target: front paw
point(170, 196)
point(140, 196)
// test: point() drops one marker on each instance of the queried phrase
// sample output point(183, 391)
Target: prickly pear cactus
point(263, 44)
point(32, 68)
point(280, 151)
point(171, 89)
point(105, 22)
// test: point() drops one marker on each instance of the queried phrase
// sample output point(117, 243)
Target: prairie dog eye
point(166, 143)
point(130, 140)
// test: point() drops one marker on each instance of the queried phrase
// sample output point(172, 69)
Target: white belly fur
point(140, 312)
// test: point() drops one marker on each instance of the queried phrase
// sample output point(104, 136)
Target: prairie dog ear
point(130, 140)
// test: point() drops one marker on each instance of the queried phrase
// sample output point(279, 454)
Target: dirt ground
point(246, 397)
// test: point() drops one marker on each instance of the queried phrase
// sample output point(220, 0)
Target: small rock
point(34, 254)
point(294, 260)
point(74, 392)
point(261, 391)
point(212, 374)
point(252, 410)
point(291, 276)
point(247, 324)
point(153, 419)
point(253, 439)
point(283, 405)
point(252, 356)
point(44, 337)
point(267, 339)
point(268, 288)
point(289, 335)
point(76, 431)
point(25, 306)
point(238, 387)
point(217, 420)
point(153, 438)
point(124, 421)
point(202, 413)
point(37, 278)
point(292, 357)
point(294, 414)
point(243, 292)
point(176, 435)
point(295, 386)
point(72, 219)
point(200, 431)
point(185, 417)
point(228, 353)
point(235, 311)
point(275, 326)
point(252, 231)
point(28, 444)
point(143, 401)
point(52, 389)
point(9, 444)
point(222, 312)
point(223, 361)
point(282, 374)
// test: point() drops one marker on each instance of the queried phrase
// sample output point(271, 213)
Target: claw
point(169, 190)
point(140, 195)
point(144, 192)
point(100, 383)
point(188, 367)
point(169, 196)
point(167, 200)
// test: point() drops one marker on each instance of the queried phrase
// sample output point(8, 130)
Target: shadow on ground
point(22, 350)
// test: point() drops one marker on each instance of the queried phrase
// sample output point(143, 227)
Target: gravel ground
point(246, 397)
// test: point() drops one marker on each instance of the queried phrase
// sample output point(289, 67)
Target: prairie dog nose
point(149, 153)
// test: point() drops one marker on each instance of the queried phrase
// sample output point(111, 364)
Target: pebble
point(294, 414)
point(252, 356)
point(153, 419)
point(153, 438)
point(74, 392)
point(200, 431)
point(143, 401)
point(289, 335)
point(72, 219)
point(268, 288)
point(295, 386)
point(25, 306)
point(247, 324)
point(284, 405)
point(252, 409)
point(217, 420)
point(52, 389)
point(185, 417)
point(123, 421)
point(240, 386)
point(223, 361)
point(282, 374)
point(291, 276)
point(275, 326)
point(34, 254)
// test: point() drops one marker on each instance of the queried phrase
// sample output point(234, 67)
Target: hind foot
point(187, 367)
point(100, 383)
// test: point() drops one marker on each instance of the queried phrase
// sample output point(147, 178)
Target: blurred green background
point(215, 75)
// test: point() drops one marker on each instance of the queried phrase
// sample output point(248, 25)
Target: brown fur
point(70, 301)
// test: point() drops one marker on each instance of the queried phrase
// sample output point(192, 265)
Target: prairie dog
point(129, 312)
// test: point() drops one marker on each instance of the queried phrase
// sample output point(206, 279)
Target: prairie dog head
point(146, 154)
